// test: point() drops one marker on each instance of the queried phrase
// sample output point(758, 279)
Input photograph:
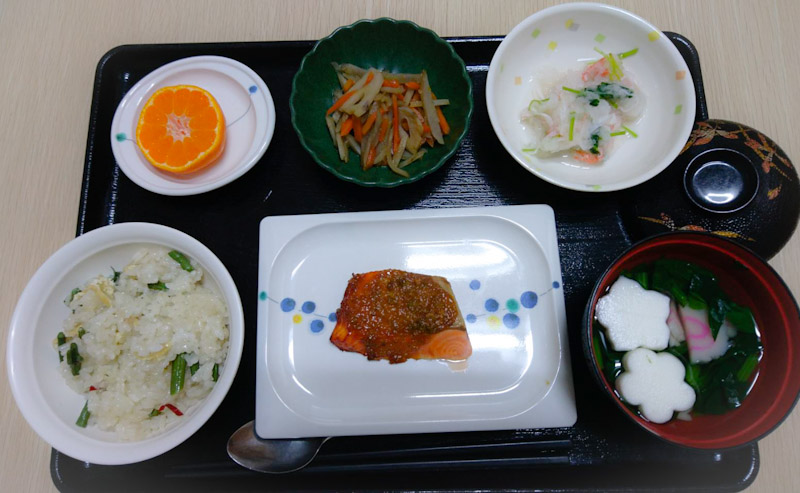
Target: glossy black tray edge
point(100, 186)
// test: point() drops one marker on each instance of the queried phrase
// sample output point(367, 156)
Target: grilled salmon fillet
point(396, 315)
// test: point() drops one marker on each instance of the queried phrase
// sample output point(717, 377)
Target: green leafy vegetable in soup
point(715, 338)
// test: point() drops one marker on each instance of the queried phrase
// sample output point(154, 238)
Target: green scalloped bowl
point(390, 45)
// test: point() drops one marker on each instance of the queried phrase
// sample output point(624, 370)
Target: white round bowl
point(562, 38)
point(249, 113)
point(48, 404)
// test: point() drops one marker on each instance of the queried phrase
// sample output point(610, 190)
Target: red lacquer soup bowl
point(749, 281)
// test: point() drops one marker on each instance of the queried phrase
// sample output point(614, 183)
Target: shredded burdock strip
point(384, 117)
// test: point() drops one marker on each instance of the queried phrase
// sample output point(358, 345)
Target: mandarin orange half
point(181, 129)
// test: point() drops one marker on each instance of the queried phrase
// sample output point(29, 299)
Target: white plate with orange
point(243, 121)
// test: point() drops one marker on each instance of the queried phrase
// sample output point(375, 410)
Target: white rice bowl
point(131, 335)
point(43, 387)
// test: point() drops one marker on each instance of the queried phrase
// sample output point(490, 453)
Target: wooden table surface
point(48, 54)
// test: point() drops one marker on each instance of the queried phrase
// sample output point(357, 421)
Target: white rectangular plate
point(502, 263)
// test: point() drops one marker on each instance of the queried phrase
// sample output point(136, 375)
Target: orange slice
point(181, 129)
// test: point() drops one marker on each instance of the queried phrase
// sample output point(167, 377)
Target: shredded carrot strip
point(413, 85)
point(382, 131)
point(347, 125)
point(370, 158)
point(357, 131)
point(426, 129)
point(587, 157)
point(368, 124)
point(390, 83)
point(395, 125)
point(442, 121)
point(338, 104)
point(348, 85)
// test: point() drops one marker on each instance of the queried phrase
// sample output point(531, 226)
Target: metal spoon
point(272, 456)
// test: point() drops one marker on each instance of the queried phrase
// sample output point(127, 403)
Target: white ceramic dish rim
point(34, 406)
point(521, 30)
point(265, 125)
point(556, 407)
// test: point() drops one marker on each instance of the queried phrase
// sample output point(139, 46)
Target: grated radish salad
point(585, 112)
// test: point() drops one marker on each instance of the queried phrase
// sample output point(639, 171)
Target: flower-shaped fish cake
point(655, 383)
point(633, 316)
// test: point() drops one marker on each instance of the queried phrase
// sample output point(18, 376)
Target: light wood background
point(48, 54)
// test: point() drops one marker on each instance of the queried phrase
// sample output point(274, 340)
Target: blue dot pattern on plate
point(288, 304)
point(121, 137)
point(252, 89)
point(529, 299)
point(510, 320)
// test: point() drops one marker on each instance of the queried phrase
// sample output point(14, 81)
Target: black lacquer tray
point(603, 451)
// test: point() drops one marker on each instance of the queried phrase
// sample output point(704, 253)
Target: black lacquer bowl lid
point(731, 180)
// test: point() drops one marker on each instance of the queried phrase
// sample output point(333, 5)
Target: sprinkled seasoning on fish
point(397, 315)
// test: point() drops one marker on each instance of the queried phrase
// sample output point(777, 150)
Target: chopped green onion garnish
point(182, 260)
point(178, 374)
point(215, 372)
point(633, 134)
point(72, 295)
point(81, 331)
point(193, 369)
point(571, 125)
point(115, 275)
point(615, 134)
point(74, 359)
point(616, 70)
point(529, 149)
point(159, 286)
point(569, 89)
point(83, 418)
point(612, 103)
point(628, 53)
point(537, 101)
point(154, 413)
point(61, 339)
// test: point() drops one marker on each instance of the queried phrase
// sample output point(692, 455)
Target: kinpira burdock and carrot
point(384, 117)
